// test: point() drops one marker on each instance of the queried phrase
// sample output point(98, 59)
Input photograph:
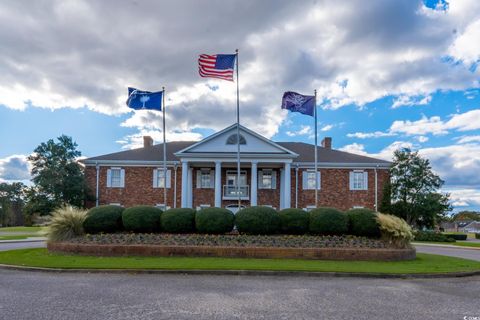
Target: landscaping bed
point(241, 246)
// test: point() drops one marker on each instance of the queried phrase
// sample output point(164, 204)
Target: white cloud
point(365, 135)
point(422, 139)
point(87, 57)
point(406, 100)
point(303, 131)
point(14, 168)
point(464, 197)
point(466, 139)
point(136, 140)
point(327, 127)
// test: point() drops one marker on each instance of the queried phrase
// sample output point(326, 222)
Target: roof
point(305, 153)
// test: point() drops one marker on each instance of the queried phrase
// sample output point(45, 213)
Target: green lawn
point(425, 263)
point(23, 229)
point(13, 237)
point(457, 243)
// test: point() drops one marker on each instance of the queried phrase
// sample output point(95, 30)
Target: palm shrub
point(214, 220)
point(179, 220)
point(395, 230)
point(66, 223)
point(328, 221)
point(294, 221)
point(363, 222)
point(141, 219)
point(105, 219)
point(257, 220)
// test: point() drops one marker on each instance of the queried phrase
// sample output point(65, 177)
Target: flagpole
point(316, 143)
point(238, 139)
point(164, 153)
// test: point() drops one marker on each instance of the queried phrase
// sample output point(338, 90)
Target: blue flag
point(296, 102)
point(144, 100)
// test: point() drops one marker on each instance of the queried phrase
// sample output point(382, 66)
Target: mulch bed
point(243, 241)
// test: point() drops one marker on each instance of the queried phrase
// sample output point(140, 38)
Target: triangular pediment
point(225, 142)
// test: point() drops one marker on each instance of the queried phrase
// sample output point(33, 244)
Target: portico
point(211, 163)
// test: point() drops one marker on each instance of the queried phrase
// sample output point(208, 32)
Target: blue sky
point(389, 74)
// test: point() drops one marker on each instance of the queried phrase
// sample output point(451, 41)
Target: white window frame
point(309, 176)
point(273, 179)
point(112, 180)
point(358, 180)
point(158, 178)
point(205, 178)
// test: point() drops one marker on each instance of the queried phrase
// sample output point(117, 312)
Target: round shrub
point(106, 219)
point(141, 219)
point(328, 221)
point(214, 220)
point(363, 222)
point(179, 220)
point(294, 221)
point(257, 220)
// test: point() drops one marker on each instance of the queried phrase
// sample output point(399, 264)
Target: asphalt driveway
point(37, 296)
point(459, 252)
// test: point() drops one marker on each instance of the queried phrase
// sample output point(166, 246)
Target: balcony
point(232, 192)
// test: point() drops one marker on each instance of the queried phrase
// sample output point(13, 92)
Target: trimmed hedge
point(432, 236)
point(214, 220)
point(456, 236)
point(477, 235)
point(179, 220)
point(294, 221)
point(141, 219)
point(328, 221)
point(363, 222)
point(106, 219)
point(257, 220)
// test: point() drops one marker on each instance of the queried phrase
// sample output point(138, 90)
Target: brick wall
point(334, 189)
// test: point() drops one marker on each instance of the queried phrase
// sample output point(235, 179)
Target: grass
point(424, 263)
point(28, 230)
point(457, 243)
point(21, 237)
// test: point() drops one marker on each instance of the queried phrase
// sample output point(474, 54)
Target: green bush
point(106, 219)
point(456, 236)
point(432, 236)
point(179, 220)
point(66, 223)
point(294, 221)
point(257, 220)
point(328, 221)
point(141, 219)
point(363, 222)
point(214, 220)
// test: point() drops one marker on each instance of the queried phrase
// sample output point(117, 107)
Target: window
point(159, 178)
point(309, 180)
point(267, 179)
point(358, 180)
point(115, 178)
point(232, 139)
point(205, 178)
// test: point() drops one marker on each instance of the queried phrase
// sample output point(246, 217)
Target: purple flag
point(296, 102)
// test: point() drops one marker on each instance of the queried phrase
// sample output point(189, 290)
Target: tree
point(413, 191)
point(466, 215)
point(58, 177)
point(11, 203)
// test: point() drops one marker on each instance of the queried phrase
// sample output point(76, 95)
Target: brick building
point(202, 174)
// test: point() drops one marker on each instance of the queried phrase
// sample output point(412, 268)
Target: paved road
point(37, 296)
point(458, 252)
point(21, 245)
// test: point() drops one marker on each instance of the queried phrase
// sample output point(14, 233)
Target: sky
point(388, 74)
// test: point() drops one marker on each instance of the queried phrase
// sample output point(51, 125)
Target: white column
point(189, 188)
point(184, 184)
point(282, 189)
point(254, 184)
point(287, 188)
point(218, 184)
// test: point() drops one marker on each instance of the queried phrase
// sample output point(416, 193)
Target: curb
point(248, 273)
point(443, 246)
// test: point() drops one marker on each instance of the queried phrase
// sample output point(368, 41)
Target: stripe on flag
point(216, 66)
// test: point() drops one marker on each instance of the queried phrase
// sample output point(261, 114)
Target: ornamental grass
point(66, 223)
point(395, 230)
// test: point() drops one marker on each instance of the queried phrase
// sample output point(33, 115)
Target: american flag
point(217, 66)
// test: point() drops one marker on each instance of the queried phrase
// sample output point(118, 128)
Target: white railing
point(232, 192)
